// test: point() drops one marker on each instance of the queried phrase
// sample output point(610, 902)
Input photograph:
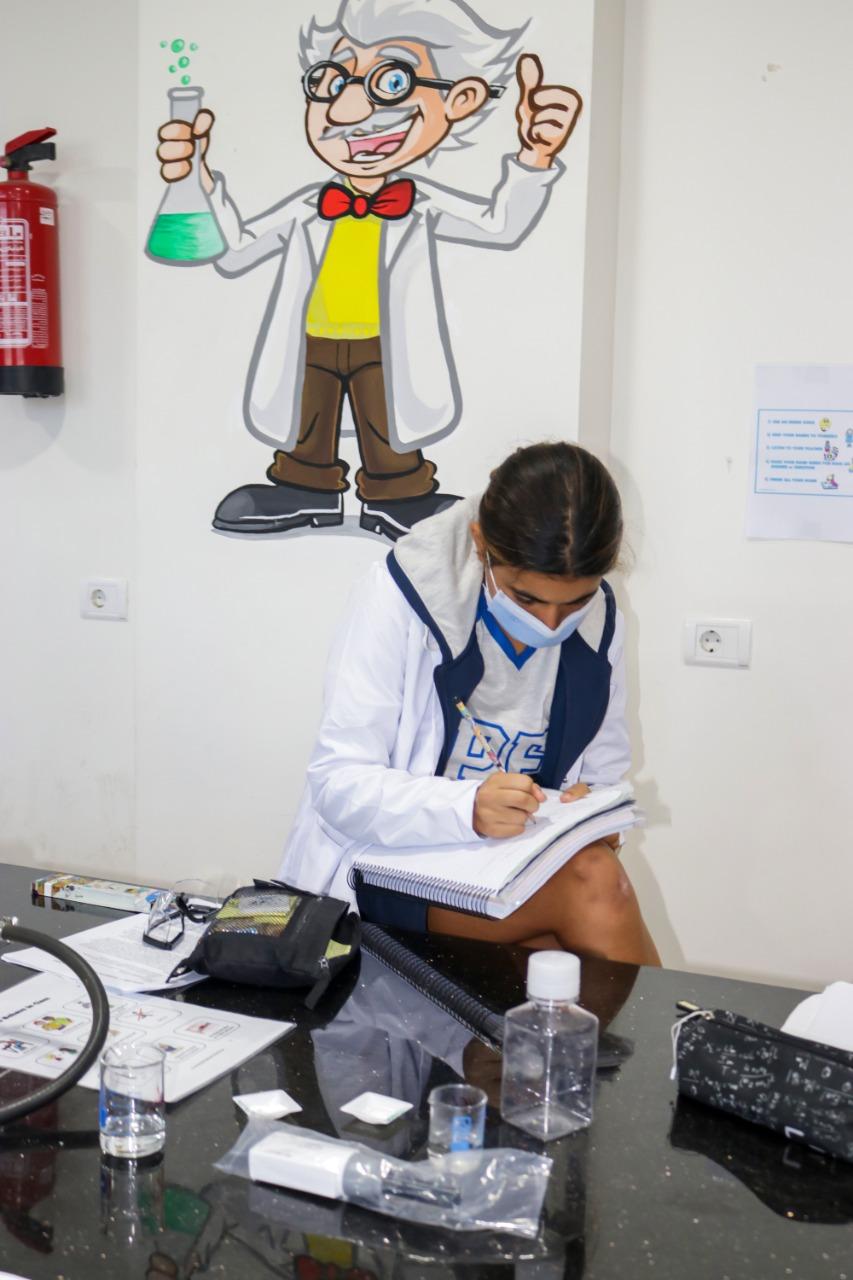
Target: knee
point(597, 874)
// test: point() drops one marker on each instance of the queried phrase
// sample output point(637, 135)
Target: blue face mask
point(520, 624)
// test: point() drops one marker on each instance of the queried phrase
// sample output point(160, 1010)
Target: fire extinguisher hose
point(11, 931)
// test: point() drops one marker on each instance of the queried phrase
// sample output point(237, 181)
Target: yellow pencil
point(479, 735)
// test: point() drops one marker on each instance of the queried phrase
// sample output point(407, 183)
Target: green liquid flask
point(185, 231)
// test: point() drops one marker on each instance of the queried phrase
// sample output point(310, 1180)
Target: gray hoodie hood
point(441, 563)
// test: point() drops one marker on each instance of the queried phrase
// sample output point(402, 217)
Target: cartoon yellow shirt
point(345, 300)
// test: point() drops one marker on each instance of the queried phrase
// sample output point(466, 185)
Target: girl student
point(499, 601)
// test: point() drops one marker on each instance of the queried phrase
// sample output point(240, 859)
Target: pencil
point(479, 735)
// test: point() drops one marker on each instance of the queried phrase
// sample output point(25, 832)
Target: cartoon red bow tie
point(394, 200)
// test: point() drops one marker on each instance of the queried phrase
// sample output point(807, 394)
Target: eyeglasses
point(164, 927)
point(388, 82)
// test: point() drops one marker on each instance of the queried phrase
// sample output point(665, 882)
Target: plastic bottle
point(549, 1051)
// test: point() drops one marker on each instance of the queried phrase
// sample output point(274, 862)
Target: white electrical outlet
point(720, 642)
point(104, 598)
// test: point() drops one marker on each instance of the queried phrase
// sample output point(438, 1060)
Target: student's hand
point(503, 804)
point(574, 792)
point(178, 141)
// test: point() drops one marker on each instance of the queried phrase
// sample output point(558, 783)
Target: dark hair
point(553, 508)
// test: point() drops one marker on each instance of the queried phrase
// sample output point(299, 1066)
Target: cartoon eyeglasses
point(387, 82)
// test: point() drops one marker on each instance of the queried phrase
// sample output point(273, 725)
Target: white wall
point(66, 466)
point(734, 249)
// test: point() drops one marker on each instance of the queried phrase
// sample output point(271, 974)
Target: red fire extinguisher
point(30, 351)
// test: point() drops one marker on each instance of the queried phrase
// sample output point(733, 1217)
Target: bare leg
point(588, 906)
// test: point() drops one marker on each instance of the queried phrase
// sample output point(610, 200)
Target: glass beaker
point(185, 231)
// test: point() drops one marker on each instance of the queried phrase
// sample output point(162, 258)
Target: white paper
point(826, 1017)
point(118, 955)
point(801, 472)
point(45, 1022)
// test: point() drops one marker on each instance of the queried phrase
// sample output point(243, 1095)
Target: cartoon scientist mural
point(356, 309)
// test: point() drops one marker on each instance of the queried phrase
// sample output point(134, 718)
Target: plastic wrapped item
point(497, 1190)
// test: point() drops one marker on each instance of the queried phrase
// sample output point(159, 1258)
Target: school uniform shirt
point(372, 776)
point(510, 705)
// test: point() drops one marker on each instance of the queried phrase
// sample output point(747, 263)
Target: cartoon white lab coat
point(420, 381)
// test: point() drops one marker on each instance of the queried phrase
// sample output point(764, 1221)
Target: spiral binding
point(461, 897)
point(438, 988)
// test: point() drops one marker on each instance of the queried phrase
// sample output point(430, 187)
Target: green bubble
point(173, 68)
point(183, 62)
point(177, 46)
point(163, 44)
point(186, 79)
point(193, 48)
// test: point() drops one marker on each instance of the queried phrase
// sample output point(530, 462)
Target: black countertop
point(652, 1189)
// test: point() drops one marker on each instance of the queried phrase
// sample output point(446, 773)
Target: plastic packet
point(488, 1190)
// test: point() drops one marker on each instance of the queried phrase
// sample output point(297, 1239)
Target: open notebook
point(494, 877)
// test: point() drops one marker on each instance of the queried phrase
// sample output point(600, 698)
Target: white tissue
point(272, 1104)
point(826, 1017)
point(376, 1108)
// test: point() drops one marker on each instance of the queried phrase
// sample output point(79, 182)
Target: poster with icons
point(801, 472)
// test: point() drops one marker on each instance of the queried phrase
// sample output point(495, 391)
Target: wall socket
point(718, 642)
point(104, 598)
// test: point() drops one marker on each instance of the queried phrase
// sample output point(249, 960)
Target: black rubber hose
point(10, 931)
point(438, 988)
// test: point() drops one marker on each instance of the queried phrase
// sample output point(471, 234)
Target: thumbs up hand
point(546, 114)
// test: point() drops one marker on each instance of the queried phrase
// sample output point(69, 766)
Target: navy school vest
point(581, 691)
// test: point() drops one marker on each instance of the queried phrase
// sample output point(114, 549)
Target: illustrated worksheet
point(45, 1022)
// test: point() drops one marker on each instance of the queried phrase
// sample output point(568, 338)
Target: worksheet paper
point(801, 472)
point(45, 1022)
point(118, 955)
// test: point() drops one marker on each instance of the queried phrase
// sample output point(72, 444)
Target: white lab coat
point(420, 382)
point(371, 775)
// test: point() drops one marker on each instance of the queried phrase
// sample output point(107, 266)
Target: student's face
point(547, 596)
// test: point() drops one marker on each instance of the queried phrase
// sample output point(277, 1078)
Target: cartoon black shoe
point(277, 508)
point(397, 517)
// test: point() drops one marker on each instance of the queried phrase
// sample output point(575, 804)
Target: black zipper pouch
point(271, 935)
point(796, 1087)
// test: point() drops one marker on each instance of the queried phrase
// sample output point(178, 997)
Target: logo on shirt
point(522, 753)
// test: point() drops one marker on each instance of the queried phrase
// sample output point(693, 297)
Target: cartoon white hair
point(461, 44)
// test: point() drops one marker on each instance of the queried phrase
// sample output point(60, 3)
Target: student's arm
point(607, 759)
point(353, 786)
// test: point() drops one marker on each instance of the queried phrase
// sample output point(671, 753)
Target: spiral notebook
point(495, 877)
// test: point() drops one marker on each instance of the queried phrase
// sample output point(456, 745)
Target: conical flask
point(185, 231)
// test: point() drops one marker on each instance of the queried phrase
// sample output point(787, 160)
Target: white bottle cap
point(553, 975)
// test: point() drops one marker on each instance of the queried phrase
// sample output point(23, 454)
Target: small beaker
point(457, 1119)
point(132, 1115)
point(185, 231)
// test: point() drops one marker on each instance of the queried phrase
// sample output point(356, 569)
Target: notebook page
point(534, 875)
point(491, 863)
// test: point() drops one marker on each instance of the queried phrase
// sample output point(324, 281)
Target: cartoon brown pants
point(335, 368)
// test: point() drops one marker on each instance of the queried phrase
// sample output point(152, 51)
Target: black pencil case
point(796, 1087)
